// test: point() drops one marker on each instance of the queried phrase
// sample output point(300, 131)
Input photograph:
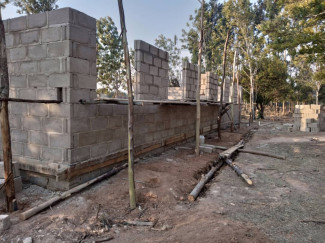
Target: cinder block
point(27, 94)
point(153, 90)
point(162, 54)
point(31, 123)
point(39, 138)
point(79, 125)
point(84, 52)
point(60, 110)
point(52, 125)
point(51, 34)
point(148, 58)
point(17, 24)
point(4, 219)
point(52, 154)
point(32, 151)
point(38, 109)
point(18, 108)
point(29, 37)
point(50, 66)
point(48, 94)
point(141, 45)
point(141, 67)
point(84, 81)
point(18, 135)
point(84, 20)
point(78, 34)
point(58, 80)
point(76, 65)
point(36, 52)
point(165, 65)
point(162, 73)
point(27, 68)
point(15, 169)
point(15, 121)
point(60, 141)
point(18, 81)
point(153, 70)
point(60, 16)
point(18, 53)
point(37, 20)
point(153, 50)
point(79, 154)
point(99, 150)
point(105, 110)
point(59, 49)
point(98, 123)
point(157, 62)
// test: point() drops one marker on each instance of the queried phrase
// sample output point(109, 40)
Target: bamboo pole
point(5, 126)
point(222, 83)
point(130, 110)
point(198, 88)
point(232, 94)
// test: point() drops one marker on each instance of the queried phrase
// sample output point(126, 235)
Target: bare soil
point(285, 204)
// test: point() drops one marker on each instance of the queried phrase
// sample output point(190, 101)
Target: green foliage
point(171, 47)
point(35, 6)
point(111, 74)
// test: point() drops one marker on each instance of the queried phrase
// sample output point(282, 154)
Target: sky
point(145, 19)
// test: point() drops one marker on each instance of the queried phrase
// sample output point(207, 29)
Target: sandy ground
point(285, 204)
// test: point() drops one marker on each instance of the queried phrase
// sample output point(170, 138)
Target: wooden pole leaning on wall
point(130, 109)
point(198, 87)
point(5, 126)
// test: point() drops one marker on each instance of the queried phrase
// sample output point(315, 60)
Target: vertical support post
point(130, 109)
point(198, 87)
point(238, 100)
point(5, 127)
point(232, 93)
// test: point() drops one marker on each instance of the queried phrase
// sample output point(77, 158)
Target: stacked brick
point(189, 77)
point(209, 86)
point(226, 90)
point(309, 118)
point(17, 179)
point(51, 55)
point(151, 78)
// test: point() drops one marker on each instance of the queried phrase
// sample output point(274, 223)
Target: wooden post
point(222, 83)
point(238, 100)
point(5, 127)
point(232, 94)
point(130, 110)
point(198, 88)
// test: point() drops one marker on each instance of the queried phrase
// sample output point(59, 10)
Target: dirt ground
point(285, 204)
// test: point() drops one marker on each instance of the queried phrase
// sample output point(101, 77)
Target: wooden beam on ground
point(239, 171)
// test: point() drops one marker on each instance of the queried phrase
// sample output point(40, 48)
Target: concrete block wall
point(309, 118)
point(151, 77)
point(226, 90)
point(175, 93)
point(51, 56)
point(209, 86)
point(189, 80)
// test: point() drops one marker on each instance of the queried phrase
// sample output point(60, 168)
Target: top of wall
point(52, 18)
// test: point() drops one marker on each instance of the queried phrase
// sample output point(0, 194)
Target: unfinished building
point(309, 118)
point(52, 56)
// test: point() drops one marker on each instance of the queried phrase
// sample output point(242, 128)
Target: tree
point(35, 6)
point(111, 74)
point(171, 47)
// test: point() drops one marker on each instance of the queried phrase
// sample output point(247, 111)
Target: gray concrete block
point(39, 138)
point(81, 110)
point(48, 94)
point(138, 56)
point(18, 81)
point(165, 65)
point(78, 34)
point(162, 54)
point(87, 138)
point(27, 68)
point(18, 53)
point(60, 110)
point(85, 20)
point(11, 41)
point(38, 109)
point(157, 80)
point(141, 45)
point(153, 90)
point(153, 70)
point(98, 123)
point(15, 121)
point(59, 49)
point(29, 37)
point(105, 109)
point(79, 125)
point(17, 24)
point(84, 52)
point(76, 65)
point(32, 151)
point(36, 52)
point(15, 169)
point(59, 80)
point(79, 154)
point(18, 135)
point(157, 62)
point(37, 20)
point(142, 67)
point(154, 50)
point(147, 58)
point(52, 154)
point(98, 150)
point(84, 81)
point(31, 123)
point(162, 73)
point(75, 95)
point(52, 125)
point(37, 80)
point(60, 16)
point(60, 141)
point(29, 93)
point(18, 108)
point(50, 66)
point(4, 219)
point(51, 34)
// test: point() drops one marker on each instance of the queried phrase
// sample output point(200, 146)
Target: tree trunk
point(5, 126)
point(238, 100)
point(198, 88)
point(232, 98)
point(222, 83)
point(283, 107)
point(317, 94)
point(130, 110)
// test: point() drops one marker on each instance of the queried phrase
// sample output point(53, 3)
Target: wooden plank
point(226, 154)
point(31, 101)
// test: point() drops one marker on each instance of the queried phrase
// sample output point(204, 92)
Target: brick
point(78, 34)
point(76, 65)
point(84, 81)
point(79, 154)
point(98, 123)
point(141, 45)
point(60, 110)
point(32, 123)
point(37, 80)
point(27, 93)
point(153, 70)
point(59, 49)
point(60, 141)
point(18, 81)
point(32, 151)
point(37, 52)
point(18, 108)
point(59, 80)
point(60, 16)
point(51, 34)
point(27, 68)
point(17, 24)
point(98, 150)
point(39, 138)
point(48, 94)
point(29, 37)
point(37, 20)
point(52, 154)
point(50, 66)
point(38, 109)
point(18, 53)
point(52, 125)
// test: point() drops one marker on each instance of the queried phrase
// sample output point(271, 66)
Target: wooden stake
point(198, 88)
point(130, 110)
point(222, 83)
point(232, 94)
point(5, 126)
point(238, 100)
